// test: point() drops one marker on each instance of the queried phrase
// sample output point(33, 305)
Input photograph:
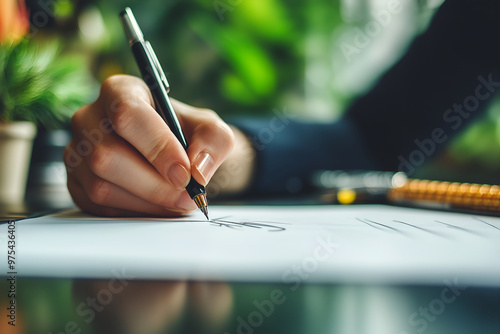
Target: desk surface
point(124, 305)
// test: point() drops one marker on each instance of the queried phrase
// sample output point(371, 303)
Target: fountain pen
point(155, 79)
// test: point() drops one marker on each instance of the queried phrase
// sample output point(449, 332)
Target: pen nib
point(204, 209)
point(201, 203)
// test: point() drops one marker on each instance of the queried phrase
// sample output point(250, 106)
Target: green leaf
point(38, 84)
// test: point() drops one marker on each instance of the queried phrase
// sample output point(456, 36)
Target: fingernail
point(178, 175)
point(185, 202)
point(204, 163)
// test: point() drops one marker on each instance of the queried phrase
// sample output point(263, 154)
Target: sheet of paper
point(288, 244)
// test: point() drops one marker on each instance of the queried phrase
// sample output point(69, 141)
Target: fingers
point(128, 105)
point(123, 157)
point(104, 170)
point(85, 204)
point(134, 118)
point(210, 140)
point(103, 198)
point(115, 175)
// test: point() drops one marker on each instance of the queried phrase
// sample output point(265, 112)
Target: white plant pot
point(16, 142)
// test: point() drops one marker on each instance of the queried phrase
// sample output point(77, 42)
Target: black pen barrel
point(153, 81)
point(162, 104)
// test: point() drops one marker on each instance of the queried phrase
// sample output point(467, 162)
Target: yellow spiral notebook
point(469, 196)
point(349, 187)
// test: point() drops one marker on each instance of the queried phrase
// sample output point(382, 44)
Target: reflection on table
point(122, 305)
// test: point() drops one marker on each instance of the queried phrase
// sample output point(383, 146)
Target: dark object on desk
point(154, 77)
point(368, 187)
point(340, 179)
point(388, 187)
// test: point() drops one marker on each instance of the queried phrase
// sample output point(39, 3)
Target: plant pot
point(16, 142)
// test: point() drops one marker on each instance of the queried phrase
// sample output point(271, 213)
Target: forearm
point(280, 162)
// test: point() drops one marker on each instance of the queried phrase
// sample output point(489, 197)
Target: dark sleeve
point(447, 77)
point(288, 152)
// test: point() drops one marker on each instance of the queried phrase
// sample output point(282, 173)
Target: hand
point(123, 159)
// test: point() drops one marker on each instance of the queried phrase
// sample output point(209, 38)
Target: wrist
point(235, 174)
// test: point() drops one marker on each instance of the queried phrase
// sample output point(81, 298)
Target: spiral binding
point(472, 196)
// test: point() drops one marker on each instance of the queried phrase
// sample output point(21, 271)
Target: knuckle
point(158, 146)
point(228, 135)
point(111, 82)
point(218, 131)
point(118, 80)
point(101, 160)
point(66, 153)
point(160, 195)
point(77, 120)
point(209, 113)
point(120, 116)
point(209, 129)
point(71, 158)
point(99, 191)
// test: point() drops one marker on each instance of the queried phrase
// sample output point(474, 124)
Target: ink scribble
point(239, 224)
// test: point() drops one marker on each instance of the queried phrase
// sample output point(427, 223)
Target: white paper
point(287, 244)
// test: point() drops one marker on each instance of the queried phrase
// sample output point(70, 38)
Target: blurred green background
point(253, 56)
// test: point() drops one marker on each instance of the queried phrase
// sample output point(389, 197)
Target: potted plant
point(38, 87)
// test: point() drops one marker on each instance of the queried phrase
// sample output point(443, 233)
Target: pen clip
point(156, 63)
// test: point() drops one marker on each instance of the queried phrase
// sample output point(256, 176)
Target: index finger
point(128, 105)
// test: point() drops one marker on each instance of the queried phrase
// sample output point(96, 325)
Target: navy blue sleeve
point(288, 152)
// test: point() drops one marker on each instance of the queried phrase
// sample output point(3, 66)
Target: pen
point(396, 188)
point(155, 79)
